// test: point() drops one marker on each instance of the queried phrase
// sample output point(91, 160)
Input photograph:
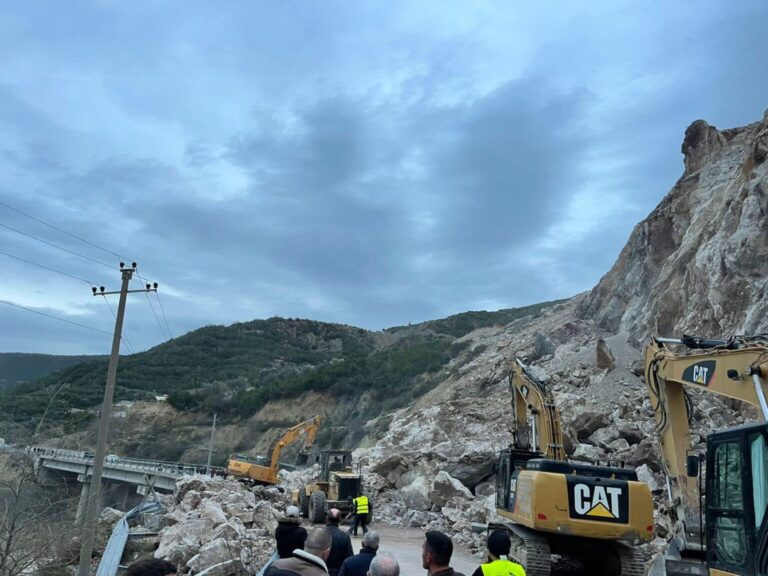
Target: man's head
point(499, 544)
point(318, 542)
point(371, 540)
point(437, 550)
point(151, 567)
point(384, 565)
point(292, 512)
point(360, 492)
point(334, 516)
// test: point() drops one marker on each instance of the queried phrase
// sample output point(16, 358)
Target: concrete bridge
point(129, 472)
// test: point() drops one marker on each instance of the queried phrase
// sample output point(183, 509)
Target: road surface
point(405, 545)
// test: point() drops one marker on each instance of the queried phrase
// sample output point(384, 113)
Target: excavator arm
point(735, 368)
point(308, 427)
point(536, 424)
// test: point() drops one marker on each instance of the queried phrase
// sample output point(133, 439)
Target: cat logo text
point(605, 501)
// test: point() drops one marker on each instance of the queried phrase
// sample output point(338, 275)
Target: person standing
point(289, 534)
point(384, 565)
point(361, 507)
point(341, 548)
point(359, 564)
point(436, 554)
point(307, 562)
point(498, 564)
point(151, 567)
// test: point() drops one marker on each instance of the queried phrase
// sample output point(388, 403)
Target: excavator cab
point(737, 500)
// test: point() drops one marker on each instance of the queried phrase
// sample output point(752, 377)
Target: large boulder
point(415, 495)
point(392, 468)
point(603, 437)
point(588, 422)
point(218, 551)
point(604, 355)
point(445, 488)
point(473, 468)
point(588, 453)
point(178, 543)
point(644, 453)
point(645, 474)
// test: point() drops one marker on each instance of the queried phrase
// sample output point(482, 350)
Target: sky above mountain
point(372, 163)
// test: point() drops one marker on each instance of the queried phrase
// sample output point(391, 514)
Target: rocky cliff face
point(698, 263)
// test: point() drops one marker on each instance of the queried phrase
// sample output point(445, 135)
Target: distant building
point(161, 398)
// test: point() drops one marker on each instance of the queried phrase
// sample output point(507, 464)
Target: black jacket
point(447, 572)
point(341, 549)
point(358, 564)
point(289, 535)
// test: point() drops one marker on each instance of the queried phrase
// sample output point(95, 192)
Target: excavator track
point(531, 551)
point(631, 560)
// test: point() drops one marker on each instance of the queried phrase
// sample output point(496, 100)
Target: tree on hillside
point(31, 534)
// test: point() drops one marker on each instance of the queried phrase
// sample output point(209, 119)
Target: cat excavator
point(265, 471)
point(592, 513)
point(728, 534)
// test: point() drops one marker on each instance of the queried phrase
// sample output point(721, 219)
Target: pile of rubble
point(217, 521)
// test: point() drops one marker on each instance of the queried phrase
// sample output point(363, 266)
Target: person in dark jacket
point(290, 534)
point(358, 564)
point(151, 567)
point(307, 562)
point(436, 555)
point(341, 549)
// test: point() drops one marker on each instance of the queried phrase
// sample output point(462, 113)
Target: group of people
point(327, 551)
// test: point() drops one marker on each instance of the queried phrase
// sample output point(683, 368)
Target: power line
point(57, 246)
point(62, 231)
point(162, 309)
point(56, 317)
point(44, 267)
point(157, 318)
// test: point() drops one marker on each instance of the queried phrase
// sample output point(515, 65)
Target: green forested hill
point(17, 367)
point(234, 370)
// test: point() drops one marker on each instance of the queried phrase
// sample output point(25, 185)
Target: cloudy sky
point(371, 163)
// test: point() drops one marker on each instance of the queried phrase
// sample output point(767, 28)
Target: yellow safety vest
point(502, 568)
point(361, 505)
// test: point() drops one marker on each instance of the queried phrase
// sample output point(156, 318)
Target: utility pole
point(91, 513)
point(210, 446)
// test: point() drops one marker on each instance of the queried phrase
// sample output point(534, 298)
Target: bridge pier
point(82, 504)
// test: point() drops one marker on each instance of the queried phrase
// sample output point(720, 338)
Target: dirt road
point(405, 545)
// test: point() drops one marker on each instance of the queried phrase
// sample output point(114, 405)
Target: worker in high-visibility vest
point(497, 562)
point(361, 507)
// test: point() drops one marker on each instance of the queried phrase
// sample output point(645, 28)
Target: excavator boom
point(735, 368)
point(535, 418)
point(268, 474)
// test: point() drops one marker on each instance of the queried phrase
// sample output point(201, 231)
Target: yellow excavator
point(594, 514)
point(729, 533)
point(265, 472)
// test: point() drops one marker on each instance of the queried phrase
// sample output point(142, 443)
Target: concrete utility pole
point(210, 446)
point(91, 511)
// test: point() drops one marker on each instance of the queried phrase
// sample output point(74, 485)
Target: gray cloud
point(366, 169)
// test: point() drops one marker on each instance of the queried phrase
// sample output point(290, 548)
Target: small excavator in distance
point(265, 472)
point(729, 534)
point(551, 506)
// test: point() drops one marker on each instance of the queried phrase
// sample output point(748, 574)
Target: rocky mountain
point(695, 265)
point(698, 264)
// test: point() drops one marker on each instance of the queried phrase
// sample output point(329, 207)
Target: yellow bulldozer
point(263, 471)
point(594, 514)
point(337, 485)
point(728, 534)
